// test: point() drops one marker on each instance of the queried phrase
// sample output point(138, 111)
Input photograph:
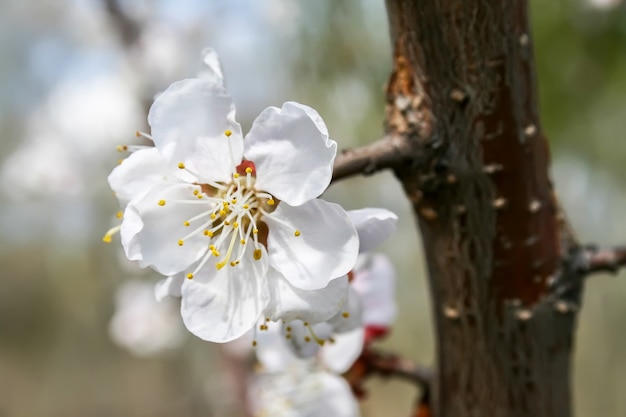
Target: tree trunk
point(463, 92)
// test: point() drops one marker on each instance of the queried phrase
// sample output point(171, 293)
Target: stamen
point(257, 254)
point(190, 276)
point(296, 233)
point(271, 202)
point(186, 223)
point(221, 264)
point(181, 242)
point(345, 314)
point(109, 234)
point(161, 203)
point(227, 132)
point(140, 134)
point(119, 214)
point(181, 165)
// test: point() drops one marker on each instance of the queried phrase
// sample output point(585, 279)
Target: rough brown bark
point(462, 93)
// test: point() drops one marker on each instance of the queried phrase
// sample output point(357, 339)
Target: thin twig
point(604, 259)
point(388, 152)
point(375, 362)
point(128, 28)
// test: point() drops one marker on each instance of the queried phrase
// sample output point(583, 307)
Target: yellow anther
point(181, 242)
point(138, 134)
point(255, 230)
point(263, 327)
point(320, 342)
point(307, 339)
point(208, 233)
point(225, 204)
point(181, 165)
point(227, 132)
point(345, 314)
point(212, 247)
point(216, 254)
point(248, 170)
point(226, 222)
point(213, 216)
point(306, 323)
point(161, 203)
point(242, 241)
point(190, 276)
point(233, 201)
point(257, 254)
point(271, 202)
point(233, 264)
point(220, 265)
point(235, 175)
point(121, 148)
point(195, 192)
point(222, 212)
point(119, 214)
point(235, 225)
point(267, 319)
point(186, 224)
point(288, 328)
point(106, 238)
point(245, 206)
point(254, 343)
point(237, 262)
point(296, 233)
point(199, 195)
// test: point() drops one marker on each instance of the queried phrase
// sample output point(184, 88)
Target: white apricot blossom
point(367, 314)
point(302, 390)
point(238, 217)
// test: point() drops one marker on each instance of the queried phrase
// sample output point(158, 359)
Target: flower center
point(233, 218)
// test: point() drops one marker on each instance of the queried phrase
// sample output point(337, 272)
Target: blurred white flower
point(302, 390)
point(143, 325)
point(240, 217)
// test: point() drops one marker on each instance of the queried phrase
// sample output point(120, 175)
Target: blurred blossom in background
point(75, 82)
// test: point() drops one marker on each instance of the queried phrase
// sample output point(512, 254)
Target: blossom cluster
point(236, 226)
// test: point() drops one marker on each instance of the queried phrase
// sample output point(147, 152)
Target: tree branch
point(604, 259)
point(375, 362)
point(388, 152)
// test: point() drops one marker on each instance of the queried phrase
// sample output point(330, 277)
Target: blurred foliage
point(59, 280)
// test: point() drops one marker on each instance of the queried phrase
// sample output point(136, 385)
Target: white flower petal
point(272, 349)
point(222, 305)
point(302, 391)
point(325, 249)
point(351, 315)
point(347, 347)
point(290, 303)
point(374, 226)
point(212, 69)
point(292, 153)
point(155, 244)
point(188, 114)
point(336, 398)
point(138, 173)
point(375, 283)
point(169, 287)
point(130, 228)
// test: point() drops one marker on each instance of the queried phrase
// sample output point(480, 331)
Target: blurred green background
point(71, 88)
